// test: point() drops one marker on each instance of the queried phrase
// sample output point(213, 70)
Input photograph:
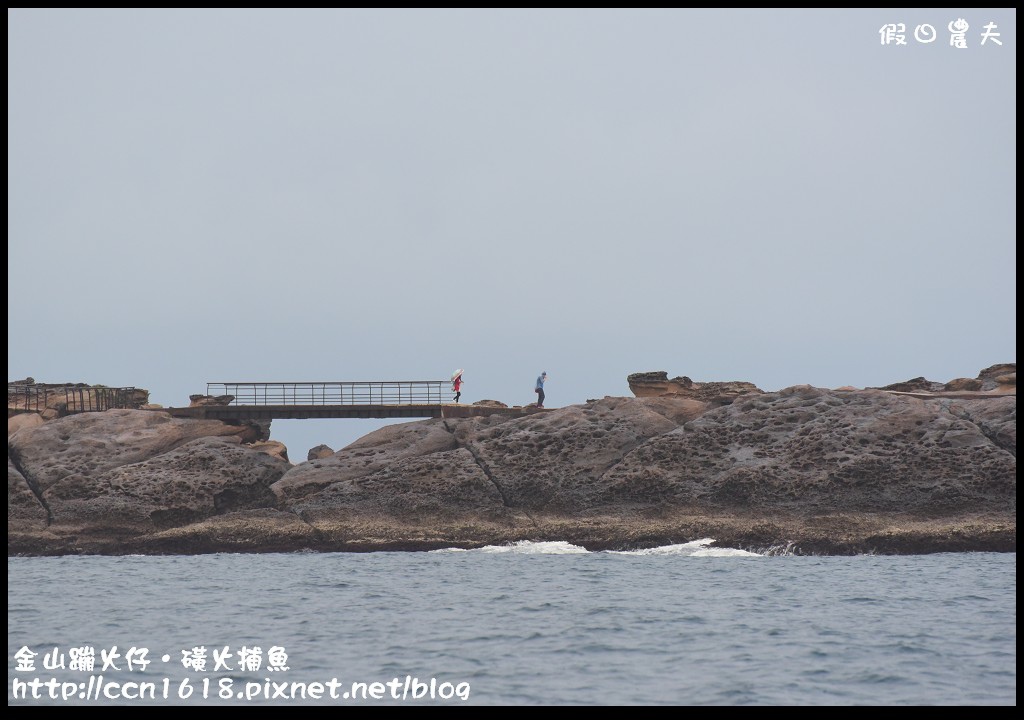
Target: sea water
point(526, 624)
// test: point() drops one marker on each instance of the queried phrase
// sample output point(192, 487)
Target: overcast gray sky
point(763, 195)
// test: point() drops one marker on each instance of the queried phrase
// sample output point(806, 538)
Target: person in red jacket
point(457, 386)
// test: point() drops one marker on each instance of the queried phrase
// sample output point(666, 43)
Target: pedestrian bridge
point(240, 401)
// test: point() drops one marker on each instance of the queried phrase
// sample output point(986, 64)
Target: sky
point(775, 196)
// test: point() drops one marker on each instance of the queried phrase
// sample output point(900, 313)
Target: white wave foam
point(694, 548)
point(724, 552)
point(526, 547)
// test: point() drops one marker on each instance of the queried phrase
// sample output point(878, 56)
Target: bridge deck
point(307, 412)
point(242, 401)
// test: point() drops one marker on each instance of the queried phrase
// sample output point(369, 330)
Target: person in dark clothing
point(540, 389)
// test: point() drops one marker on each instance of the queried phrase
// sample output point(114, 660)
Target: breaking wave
point(695, 548)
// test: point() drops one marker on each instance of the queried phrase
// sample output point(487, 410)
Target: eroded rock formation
point(805, 468)
point(657, 384)
point(319, 452)
point(997, 379)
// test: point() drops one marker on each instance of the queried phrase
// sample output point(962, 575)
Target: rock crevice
point(13, 456)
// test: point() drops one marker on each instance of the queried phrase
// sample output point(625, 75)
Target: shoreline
point(845, 535)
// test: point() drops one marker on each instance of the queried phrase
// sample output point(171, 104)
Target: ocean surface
point(529, 624)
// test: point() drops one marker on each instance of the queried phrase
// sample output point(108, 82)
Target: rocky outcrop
point(918, 384)
point(657, 384)
point(93, 481)
point(23, 420)
point(369, 454)
point(319, 452)
point(996, 419)
point(808, 469)
point(204, 477)
point(811, 450)
point(270, 447)
point(208, 400)
point(997, 379)
point(961, 384)
point(91, 444)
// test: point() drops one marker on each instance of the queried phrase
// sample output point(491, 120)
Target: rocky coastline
point(910, 468)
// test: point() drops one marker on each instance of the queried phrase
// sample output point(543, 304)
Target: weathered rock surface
point(319, 452)
point(204, 477)
point(815, 450)
point(207, 400)
point(996, 418)
point(23, 420)
point(445, 485)
point(918, 384)
point(22, 503)
point(994, 375)
point(91, 444)
point(373, 452)
point(657, 384)
point(270, 447)
point(996, 379)
point(804, 469)
point(556, 460)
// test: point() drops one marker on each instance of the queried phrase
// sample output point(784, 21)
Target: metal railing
point(68, 399)
point(386, 392)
